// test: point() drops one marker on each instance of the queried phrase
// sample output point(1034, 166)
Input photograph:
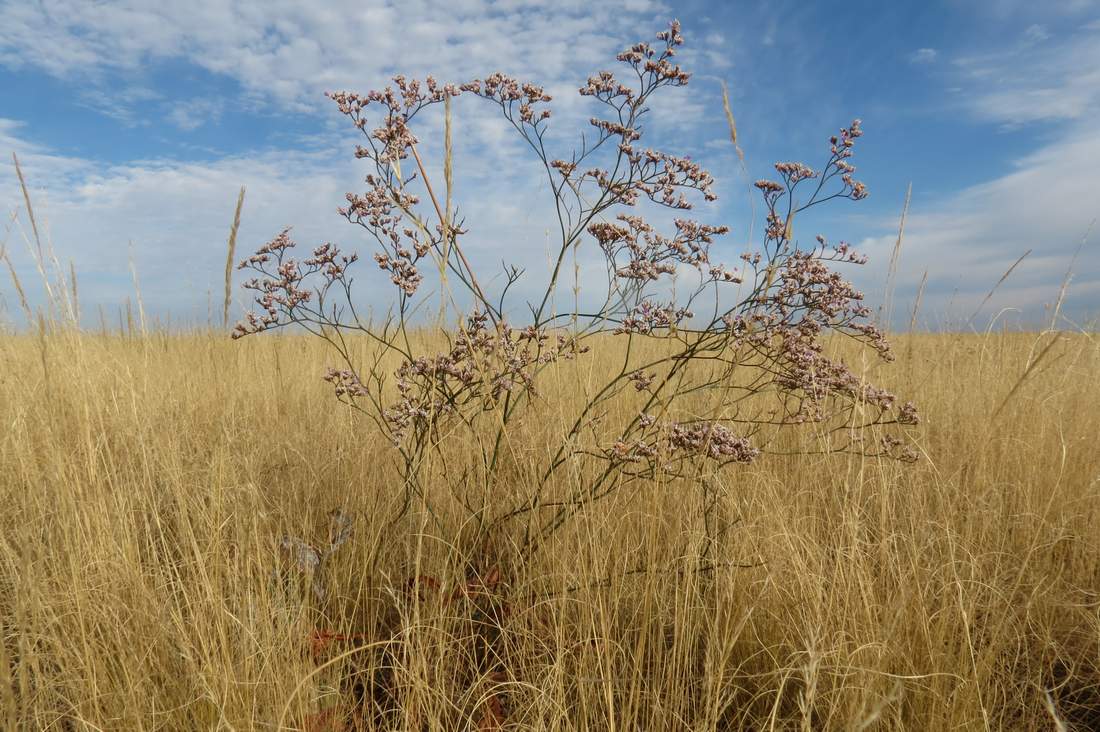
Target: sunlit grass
point(147, 482)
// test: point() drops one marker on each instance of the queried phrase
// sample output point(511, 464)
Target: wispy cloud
point(282, 55)
point(1045, 203)
point(279, 55)
point(1004, 9)
point(122, 103)
point(291, 52)
point(923, 56)
point(177, 213)
point(191, 114)
point(770, 32)
point(1037, 33)
point(967, 240)
point(1035, 82)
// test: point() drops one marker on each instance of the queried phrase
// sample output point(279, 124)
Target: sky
point(136, 123)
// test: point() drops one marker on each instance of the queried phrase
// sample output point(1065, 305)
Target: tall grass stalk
point(230, 258)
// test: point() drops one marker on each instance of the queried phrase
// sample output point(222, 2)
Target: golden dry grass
point(146, 483)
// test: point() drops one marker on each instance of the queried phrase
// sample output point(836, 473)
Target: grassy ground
point(146, 483)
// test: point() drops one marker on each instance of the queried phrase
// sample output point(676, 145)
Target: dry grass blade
point(14, 276)
point(1031, 367)
point(992, 291)
point(7, 232)
point(18, 288)
point(887, 306)
point(1052, 709)
point(448, 182)
point(1056, 311)
point(230, 253)
point(76, 299)
point(916, 305)
point(442, 217)
point(27, 201)
point(732, 123)
point(788, 226)
point(35, 249)
point(137, 292)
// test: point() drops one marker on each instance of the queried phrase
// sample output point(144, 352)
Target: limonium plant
point(717, 372)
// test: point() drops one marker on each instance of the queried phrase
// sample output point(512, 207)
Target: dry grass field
point(147, 483)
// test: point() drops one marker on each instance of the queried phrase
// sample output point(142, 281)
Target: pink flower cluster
point(802, 300)
point(647, 317)
point(647, 60)
point(381, 211)
point(484, 364)
point(793, 173)
point(798, 298)
point(650, 254)
point(401, 101)
point(507, 91)
point(281, 291)
point(660, 177)
point(282, 294)
point(345, 383)
point(677, 440)
point(895, 447)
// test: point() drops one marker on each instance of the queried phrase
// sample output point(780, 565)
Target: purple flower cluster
point(345, 383)
point(647, 317)
point(671, 441)
point(281, 291)
point(483, 365)
point(514, 96)
point(401, 101)
point(381, 210)
point(649, 254)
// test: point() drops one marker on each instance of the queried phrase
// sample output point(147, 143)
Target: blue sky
point(137, 122)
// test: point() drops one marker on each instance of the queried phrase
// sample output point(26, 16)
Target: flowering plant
point(737, 360)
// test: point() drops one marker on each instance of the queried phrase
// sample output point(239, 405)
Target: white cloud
point(191, 114)
point(285, 53)
point(1008, 9)
point(1046, 203)
point(1037, 33)
point(770, 32)
point(177, 216)
point(177, 213)
point(291, 52)
point(923, 56)
point(968, 241)
point(1031, 83)
point(123, 103)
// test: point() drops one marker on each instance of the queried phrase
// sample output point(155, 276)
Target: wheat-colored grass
point(147, 481)
point(230, 258)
